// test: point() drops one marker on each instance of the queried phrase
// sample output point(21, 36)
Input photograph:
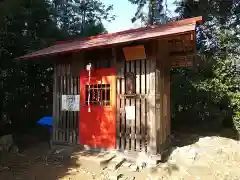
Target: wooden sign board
point(134, 53)
point(183, 61)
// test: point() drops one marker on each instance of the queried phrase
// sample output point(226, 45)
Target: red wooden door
point(98, 108)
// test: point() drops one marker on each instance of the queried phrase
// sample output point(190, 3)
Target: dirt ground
point(193, 156)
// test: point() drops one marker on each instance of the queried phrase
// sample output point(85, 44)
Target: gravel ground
point(207, 158)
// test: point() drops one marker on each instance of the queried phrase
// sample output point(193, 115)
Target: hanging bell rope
point(89, 67)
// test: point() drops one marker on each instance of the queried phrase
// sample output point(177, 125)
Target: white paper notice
point(70, 102)
point(130, 112)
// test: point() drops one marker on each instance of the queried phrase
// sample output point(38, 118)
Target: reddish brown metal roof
point(172, 28)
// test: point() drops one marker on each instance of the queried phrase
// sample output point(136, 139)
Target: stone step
point(127, 164)
point(114, 175)
point(130, 178)
point(116, 163)
point(106, 160)
point(100, 159)
point(93, 162)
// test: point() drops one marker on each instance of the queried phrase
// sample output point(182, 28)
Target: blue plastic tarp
point(46, 121)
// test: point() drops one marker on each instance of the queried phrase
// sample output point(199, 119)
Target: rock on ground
point(209, 158)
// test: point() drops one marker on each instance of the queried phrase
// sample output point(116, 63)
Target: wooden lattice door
point(98, 108)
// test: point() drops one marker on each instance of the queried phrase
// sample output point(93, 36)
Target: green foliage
point(74, 15)
point(26, 26)
point(216, 15)
point(209, 9)
point(235, 104)
point(156, 11)
point(222, 85)
point(209, 97)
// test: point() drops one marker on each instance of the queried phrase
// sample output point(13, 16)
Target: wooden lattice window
point(99, 94)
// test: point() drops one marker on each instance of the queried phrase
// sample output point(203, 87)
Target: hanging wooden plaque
point(134, 53)
point(183, 61)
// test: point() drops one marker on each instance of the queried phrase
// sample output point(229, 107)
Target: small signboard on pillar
point(70, 102)
point(130, 113)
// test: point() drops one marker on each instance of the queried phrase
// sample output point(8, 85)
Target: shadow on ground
point(39, 162)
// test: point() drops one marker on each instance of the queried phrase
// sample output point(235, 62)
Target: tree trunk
point(151, 12)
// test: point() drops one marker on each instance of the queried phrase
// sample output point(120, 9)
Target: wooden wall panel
point(150, 128)
point(158, 106)
point(148, 119)
point(66, 82)
point(122, 102)
point(143, 105)
point(133, 103)
point(162, 96)
point(138, 107)
point(151, 100)
point(127, 123)
point(135, 135)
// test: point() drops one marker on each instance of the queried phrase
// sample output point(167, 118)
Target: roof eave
point(38, 54)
